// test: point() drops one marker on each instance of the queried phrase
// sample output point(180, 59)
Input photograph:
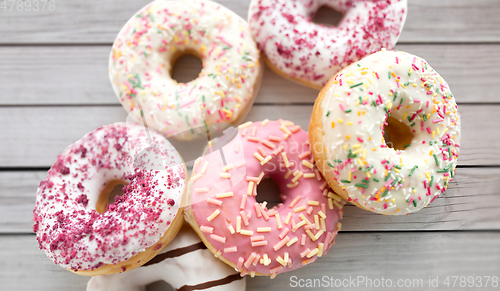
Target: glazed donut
point(147, 46)
point(245, 234)
point(308, 53)
point(74, 226)
point(401, 94)
point(185, 264)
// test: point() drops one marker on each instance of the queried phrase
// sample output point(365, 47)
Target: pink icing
point(68, 227)
point(251, 249)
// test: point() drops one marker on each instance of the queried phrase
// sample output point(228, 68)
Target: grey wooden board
point(79, 74)
point(34, 136)
point(405, 255)
point(99, 21)
point(471, 202)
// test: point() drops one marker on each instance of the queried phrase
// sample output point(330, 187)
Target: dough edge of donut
point(316, 136)
point(300, 81)
point(189, 218)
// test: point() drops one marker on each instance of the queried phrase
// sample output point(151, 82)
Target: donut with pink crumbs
point(75, 225)
point(308, 53)
point(246, 234)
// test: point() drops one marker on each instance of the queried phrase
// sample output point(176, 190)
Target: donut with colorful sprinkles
point(74, 223)
point(398, 94)
point(298, 49)
point(146, 48)
point(246, 234)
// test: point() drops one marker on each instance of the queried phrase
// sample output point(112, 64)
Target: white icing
point(192, 268)
point(140, 65)
point(360, 131)
point(85, 239)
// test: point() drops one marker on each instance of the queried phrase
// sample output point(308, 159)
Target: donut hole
point(186, 67)
point(113, 189)
point(159, 286)
point(397, 135)
point(268, 190)
point(327, 16)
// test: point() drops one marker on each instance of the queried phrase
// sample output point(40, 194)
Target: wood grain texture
point(408, 255)
point(36, 135)
point(471, 202)
point(96, 21)
point(79, 74)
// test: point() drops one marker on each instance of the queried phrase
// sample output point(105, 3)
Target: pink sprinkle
point(243, 201)
point(360, 139)
point(267, 144)
point(278, 150)
point(305, 252)
point(214, 201)
point(429, 130)
point(411, 200)
point(257, 238)
point(274, 138)
point(437, 120)
point(304, 154)
point(295, 201)
point(259, 243)
point(187, 103)
point(250, 259)
point(283, 233)
point(264, 214)
point(231, 250)
point(252, 179)
point(240, 263)
point(303, 240)
point(257, 210)
point(218, 238)
point(323, 186)
point(279, 245)
point(244, 217)
point(275, 270)
point(207, 229)
point(342, 107)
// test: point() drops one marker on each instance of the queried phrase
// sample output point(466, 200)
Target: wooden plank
point(79, 74)
point(393, 256)
point(91, 21)
point(471, 202)
point(36, 135)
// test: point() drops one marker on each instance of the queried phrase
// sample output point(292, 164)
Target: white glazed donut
point(185, 264)
point(141, 62)
point(347, 124)
point(298, 49)
point(77, 228)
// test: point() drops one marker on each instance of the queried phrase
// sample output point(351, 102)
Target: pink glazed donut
point(244, 233)
point(309, 53)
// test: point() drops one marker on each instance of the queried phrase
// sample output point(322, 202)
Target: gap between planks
point(36, 136)
point(90, 21)
point(471, 203)
point(78, 76)
point(391, 255)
